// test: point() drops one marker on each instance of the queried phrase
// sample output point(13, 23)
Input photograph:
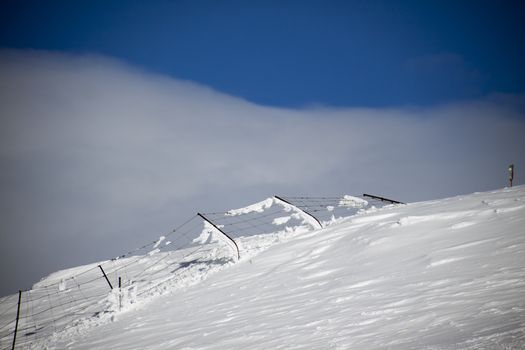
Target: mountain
point(443, 274)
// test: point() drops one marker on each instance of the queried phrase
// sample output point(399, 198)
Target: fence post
point(119, 294)
point(17, 318)
point(304, 211)
point(511, 174)
point(107, 279)
point(382, 199)
point(221, 231)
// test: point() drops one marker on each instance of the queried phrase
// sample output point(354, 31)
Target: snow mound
point(445, 274)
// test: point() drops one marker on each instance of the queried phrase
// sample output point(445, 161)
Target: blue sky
point(119, 120)
point(295, 53)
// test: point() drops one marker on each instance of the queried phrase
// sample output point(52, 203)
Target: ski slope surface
point(444, 274)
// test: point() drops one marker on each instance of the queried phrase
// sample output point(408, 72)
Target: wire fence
point(75, 298)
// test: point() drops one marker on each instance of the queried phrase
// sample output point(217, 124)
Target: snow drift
point(444, 274)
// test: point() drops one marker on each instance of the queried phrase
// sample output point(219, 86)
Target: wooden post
point(17, 318)
point(224, 233)
point(107, 279)
point(511, 174)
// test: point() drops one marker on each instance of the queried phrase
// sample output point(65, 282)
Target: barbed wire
point(51, 307)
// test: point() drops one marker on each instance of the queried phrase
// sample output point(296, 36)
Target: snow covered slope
point(445, 274)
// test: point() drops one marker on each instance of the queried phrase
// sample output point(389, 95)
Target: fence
point(74, 299)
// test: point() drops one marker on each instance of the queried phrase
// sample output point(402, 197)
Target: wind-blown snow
point(352, 202)
point(445, 274)
point(269, 202)
point(159, 241)
point(208, 235)
point(298, 214)
point(257, 207)
point(281, 220)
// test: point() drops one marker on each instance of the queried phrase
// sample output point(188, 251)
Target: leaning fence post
point(221, 231)
point(106, 277)
point(302, 210)
point(382, 199)
point(17, 318)
point(119, 294)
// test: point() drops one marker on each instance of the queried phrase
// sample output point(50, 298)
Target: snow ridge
point(70, 303)
point(446, 274)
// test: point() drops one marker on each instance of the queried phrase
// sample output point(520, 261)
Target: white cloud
point(92, 148)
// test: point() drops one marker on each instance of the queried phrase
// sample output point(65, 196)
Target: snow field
point(447, 274)
point(68, 303)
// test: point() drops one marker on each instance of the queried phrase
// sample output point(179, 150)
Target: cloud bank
point(97, 157)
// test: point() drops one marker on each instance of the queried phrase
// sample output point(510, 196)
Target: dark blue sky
point(295, 53)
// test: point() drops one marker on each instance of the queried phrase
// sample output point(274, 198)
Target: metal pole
point(17, 317)
point(107, 279)
point(304, 211)
point(224, 233)
point(119, 294)
point(382, 199)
